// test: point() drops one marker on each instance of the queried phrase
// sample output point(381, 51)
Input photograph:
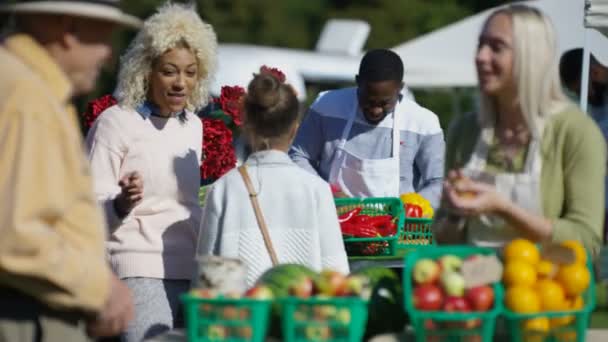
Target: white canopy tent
point(445, 57)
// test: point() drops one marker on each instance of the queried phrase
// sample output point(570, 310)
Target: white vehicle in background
point(335, 59)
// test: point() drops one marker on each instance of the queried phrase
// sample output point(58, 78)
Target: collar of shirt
point(36, 57)
point(147, 109)
point(267, 157)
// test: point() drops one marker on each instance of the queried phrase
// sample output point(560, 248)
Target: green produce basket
point(416, 233)
point(338, 319)
point(575, 330)
point(382, 246)
point(449, 326)
point(225, 319)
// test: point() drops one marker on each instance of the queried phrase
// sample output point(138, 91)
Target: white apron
point(521, 188)
point(358, 177)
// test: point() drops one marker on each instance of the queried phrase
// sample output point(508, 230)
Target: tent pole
point(585, 73)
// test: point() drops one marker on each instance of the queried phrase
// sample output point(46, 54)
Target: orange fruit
point(522, 299)
point(580, 255)
point(551, 294)
point(546, 269)
point(520, 273)
point(521, 249)
point(574, 278)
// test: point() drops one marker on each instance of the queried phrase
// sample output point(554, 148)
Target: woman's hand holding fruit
point(470, 198)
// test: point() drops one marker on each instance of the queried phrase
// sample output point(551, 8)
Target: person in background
point(370, 140)
point(298, 207)
point(570, 66)
point(145, 154)
point(530, 162)
point(54, 279)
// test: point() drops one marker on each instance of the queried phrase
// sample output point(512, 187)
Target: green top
point(573, 153)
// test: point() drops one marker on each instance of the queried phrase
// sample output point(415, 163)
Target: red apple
point(332, 283)
point(260, 292)
point(426, 271)
point(428, 297)
point(481, 298)
point(303, 288)
point(456, 304)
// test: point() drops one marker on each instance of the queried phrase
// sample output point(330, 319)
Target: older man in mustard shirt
point(53, 273)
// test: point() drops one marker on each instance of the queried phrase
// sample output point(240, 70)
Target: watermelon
point(280, 278)
point(385, 306)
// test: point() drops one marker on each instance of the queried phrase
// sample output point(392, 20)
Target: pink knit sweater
point(158, 238)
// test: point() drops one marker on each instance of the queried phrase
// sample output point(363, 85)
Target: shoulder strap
point(253, 196)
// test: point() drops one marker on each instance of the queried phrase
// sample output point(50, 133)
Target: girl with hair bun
point(294, 220)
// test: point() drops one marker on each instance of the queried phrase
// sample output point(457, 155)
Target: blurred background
point(297, 24)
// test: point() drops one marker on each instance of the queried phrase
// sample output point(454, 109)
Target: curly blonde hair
point(174, 25)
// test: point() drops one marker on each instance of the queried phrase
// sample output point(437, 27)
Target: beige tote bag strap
point(253, 196)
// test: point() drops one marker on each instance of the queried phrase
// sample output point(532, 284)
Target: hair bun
point(263, 91)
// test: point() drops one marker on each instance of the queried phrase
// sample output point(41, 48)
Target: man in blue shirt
point(370, 140)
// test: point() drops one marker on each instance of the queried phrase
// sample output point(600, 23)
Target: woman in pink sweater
point(145, 154)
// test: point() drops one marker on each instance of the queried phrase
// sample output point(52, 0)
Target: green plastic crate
point(373, 207)
point(339, 319)
point(483, 332)
point(226, 319)
point(416, 234)
point(575, 331)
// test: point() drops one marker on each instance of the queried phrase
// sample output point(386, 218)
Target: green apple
point(450, 263)
point(426, 271)
point(453, 284)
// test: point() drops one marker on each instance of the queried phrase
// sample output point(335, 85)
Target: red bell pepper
point(380, 220)
point(413, 210)
point(349, 215)
point(361, 220)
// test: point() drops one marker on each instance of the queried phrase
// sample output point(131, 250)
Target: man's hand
point(116, 314)
point(132, 191)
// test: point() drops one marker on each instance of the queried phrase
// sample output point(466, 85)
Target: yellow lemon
point(522, 299)
point(535, 329)
point(551, 294)
point(574, 278)
point(520, 273)
point(522, 249)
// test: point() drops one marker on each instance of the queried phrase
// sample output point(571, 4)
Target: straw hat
point(107, 10)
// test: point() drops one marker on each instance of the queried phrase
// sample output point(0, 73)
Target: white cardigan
point(298, 208)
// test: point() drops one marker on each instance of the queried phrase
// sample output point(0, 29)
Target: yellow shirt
point(51, 229)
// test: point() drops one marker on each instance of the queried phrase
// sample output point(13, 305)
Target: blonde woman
point(530, 164)
point(145, 154)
